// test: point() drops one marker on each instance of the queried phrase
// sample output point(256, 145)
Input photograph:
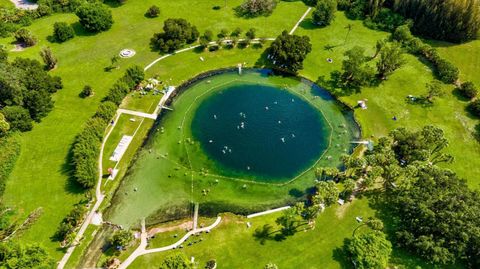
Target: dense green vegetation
point(287, 52)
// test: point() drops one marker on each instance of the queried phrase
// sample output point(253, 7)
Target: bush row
point(85, 149)
point(445, 70)
point(66, 232)
point(9, 151)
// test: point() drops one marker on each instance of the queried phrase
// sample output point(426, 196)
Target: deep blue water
point(261, 131)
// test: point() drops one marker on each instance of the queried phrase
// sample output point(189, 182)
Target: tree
point(434, 89)
point(25, 37)
point(468, 90)
point(121, 238)
point(391, 58)
point(327, 193)
point(62, 31)
point(348, 188)
point(372, 223)
point(48, 58)
point(255, 8)
point(356, 71)
point(176, 33)
point(153, 11)
point(324, 12)
point(18, 118)
point(175, 261)
point(287, 52)
point(237, 32)
point(4, 125)
point(114, 61)
point(87, 91)
point(369, 250)
point(208, 35)
point(94, 17)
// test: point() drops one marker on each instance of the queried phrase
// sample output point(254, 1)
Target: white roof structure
point(121, 148)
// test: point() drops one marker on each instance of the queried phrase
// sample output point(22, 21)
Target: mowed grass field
point(41, 175)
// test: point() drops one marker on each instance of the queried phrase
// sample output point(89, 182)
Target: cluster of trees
point(25, 37)
point(324, 12)
point(357, 70)
point(369, 250)
point(11, 19)
point(449, 20)
point(14, 255)
point(94, 17)
point(86, 146)
point(25, 92)
point(255, 8)
point(66, 231)
point(176, 33)
point(176, 261)
point(288, 52)
point(434, 212)
point(445, 70)
point(233, 38)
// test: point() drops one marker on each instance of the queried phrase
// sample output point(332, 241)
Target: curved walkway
point(141, 250)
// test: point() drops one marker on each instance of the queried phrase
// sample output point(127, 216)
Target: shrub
point(18, 117)
point(25, 37)
point(153, 11)
point(119, 90)
point(62, 31)
point(106, 111)
point(474, 107)
point(9, 152)
point(136, 74)
point(87, 91)
point(48, 58)
point(255, 8)
point(95, 17)
point(468, 90)
point(446, 71)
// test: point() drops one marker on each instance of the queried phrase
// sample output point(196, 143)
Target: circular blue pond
point(260, 130)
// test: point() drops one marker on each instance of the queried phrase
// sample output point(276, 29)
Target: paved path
point(300, 21)
point(141, 250)
point(152, 116)
point(24, 4)
point(267, 212)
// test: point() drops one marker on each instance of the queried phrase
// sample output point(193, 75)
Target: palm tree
point(349, 28)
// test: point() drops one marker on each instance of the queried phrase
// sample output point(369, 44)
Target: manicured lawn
point(41, 176)
point(6, 3)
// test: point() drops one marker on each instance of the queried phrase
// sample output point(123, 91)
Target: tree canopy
point(324, 12)
point(370, 250)
point(255, 8)
point(287, 52)
point(95, 17)
point(176, 33)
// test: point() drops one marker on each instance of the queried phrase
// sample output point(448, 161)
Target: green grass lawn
point(6, 3)
point(41, 176)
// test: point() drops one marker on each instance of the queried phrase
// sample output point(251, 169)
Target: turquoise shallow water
point(260, 130)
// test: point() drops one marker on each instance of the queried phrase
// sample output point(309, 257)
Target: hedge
point(86, 147)
point(9, 152)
